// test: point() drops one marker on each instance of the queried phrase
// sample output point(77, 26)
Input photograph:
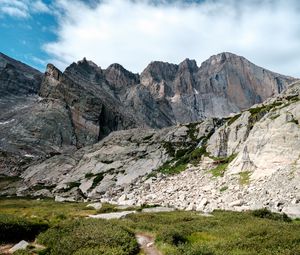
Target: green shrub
point(107, 208)
point(222, 189)
point(89, 236)
point(172, 235)
point(267, 214)
point(88, 175)
point(14, 229)
point(99, 177)
point(195, 249)
point(168, 168)
point(223, 163)
point(233, 119)
point(169, 148)
point(71, 185)
point(192, 128)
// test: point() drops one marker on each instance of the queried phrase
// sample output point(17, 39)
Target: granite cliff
point(111, 135)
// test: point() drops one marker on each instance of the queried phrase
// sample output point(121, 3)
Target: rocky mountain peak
point(17, 78)
point(53, 72)
point(84, 68)
point(221, 58)
point(119, 78)
point(157, 71)
point(188, 64)
point(86, 63)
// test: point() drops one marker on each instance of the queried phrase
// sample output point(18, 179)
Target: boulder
point(96, 206)
point(22, 245)
point(292, 211)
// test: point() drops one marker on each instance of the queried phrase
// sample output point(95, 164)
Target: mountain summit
point(62, 111)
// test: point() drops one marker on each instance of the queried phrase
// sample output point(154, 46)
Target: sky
point(135, 32)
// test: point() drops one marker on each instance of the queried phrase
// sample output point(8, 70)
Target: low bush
point(174, 236)
point(89, 236)
point(14, 229)
point(267, 214)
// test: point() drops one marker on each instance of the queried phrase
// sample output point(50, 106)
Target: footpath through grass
point(176, 233)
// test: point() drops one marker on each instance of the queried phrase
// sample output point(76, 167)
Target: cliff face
point(93, 102)
point(17, 78)
point(223, 84)
point(247, 161)
point(86, 133)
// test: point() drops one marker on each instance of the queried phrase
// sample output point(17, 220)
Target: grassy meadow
point(62, 228)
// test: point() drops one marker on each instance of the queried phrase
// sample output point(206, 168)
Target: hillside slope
point(248, 161)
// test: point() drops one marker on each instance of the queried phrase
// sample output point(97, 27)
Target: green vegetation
point(183, 153)
point(223, 188)
point(264, 108)
point(168, 168)
point(89, 236)
point(89, 175)
point(273, 117)
point(41, 186)
point(44, 211)
point(223, 163)
point(71, 185)
point(197, 154)
point(293, 98)
point(176, 233)
point(169, 148)
point(192, 128)
point(267, 214)
point(233, 119)
point(244, 177)
point(148, 137)
point(181, 158)
point(8, 181)
point(188, 233)
point(107, 208)
point(259, 112)
point(294, 121)
point(14, 228)
point(98, 178)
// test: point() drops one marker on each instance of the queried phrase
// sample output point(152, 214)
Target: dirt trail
point(5, 248)
point(146, 243)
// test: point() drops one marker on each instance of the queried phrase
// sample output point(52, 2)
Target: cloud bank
point(136, 32)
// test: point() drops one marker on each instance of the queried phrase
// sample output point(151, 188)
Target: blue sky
point(133, 33)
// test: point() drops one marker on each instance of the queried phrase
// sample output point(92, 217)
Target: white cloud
point(40, 6)
point(14, 11)
point(133, 33)
point(22, 8)
point(15, 8)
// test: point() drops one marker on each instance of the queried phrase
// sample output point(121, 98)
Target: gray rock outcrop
point(89, 133)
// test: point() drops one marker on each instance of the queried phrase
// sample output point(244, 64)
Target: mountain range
point(90, 132)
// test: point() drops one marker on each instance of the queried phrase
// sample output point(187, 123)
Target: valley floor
point(63, 228)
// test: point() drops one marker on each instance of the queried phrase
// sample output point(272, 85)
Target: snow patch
point(6, 122)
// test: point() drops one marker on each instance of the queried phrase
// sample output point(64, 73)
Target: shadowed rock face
point(17, 78)
point(92, 100)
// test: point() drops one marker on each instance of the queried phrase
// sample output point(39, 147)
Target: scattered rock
point(292, 211)
point(96, 206)
point(158, 209)
point(64, 199)
point(236, 203)
point(114, 215)
point(22, 245)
